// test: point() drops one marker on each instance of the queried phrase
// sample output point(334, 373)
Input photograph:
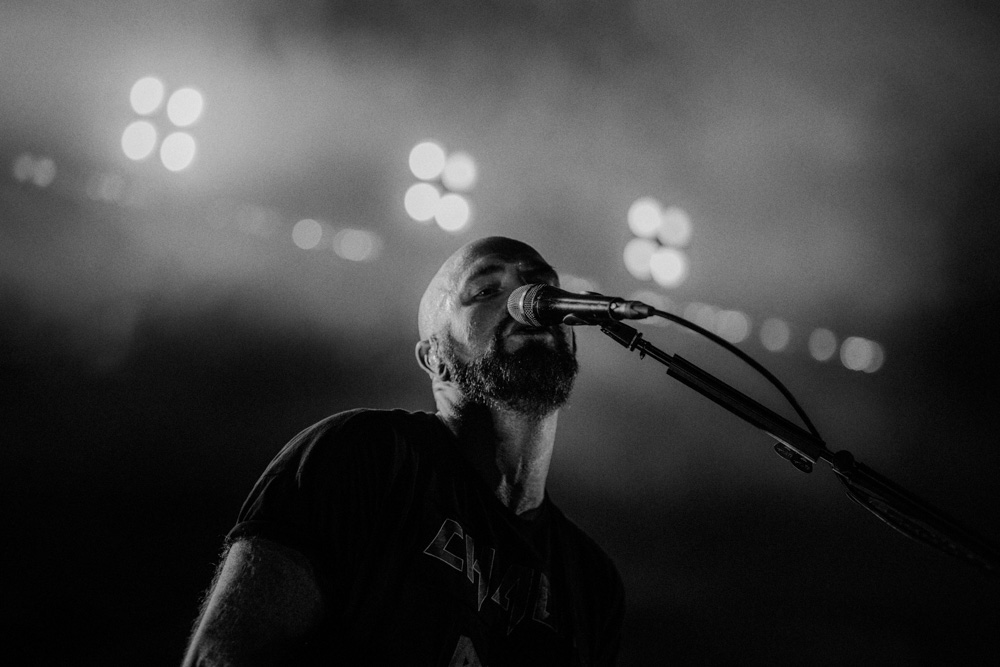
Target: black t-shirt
point(419, 563)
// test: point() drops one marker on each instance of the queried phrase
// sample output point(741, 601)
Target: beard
point(534, 380)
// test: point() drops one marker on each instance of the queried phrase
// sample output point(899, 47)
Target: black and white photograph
point(564, 333)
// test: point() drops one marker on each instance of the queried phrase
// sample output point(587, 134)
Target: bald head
point(444, 287)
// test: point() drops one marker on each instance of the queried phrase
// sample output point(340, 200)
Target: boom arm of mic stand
point(889, 502)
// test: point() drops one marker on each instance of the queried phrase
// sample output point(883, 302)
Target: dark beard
point(535, 380)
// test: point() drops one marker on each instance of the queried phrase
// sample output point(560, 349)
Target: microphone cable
point(753, 363)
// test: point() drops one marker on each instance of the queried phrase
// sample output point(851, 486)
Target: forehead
point(525, 260)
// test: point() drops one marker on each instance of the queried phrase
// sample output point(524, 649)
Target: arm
point(263, 605)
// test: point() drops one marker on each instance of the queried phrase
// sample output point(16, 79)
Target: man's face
point(492, 358)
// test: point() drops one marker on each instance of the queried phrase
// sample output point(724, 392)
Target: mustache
point(560, 334)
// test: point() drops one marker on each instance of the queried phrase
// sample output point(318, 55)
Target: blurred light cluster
point(39, 171)
point(774, 334)
point(356, 245)
point(443, 180)
point(310, 234)
point(660, 234)
point(183, 108)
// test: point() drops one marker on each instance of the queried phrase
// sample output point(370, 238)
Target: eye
point(487, 291)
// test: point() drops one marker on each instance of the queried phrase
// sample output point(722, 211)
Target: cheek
point(482, 328)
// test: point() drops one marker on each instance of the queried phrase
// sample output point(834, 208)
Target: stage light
point(668, 266)
point(41, 171)
point(452, 212)
point(139, 140)
point(703, 315)
point(675, 227)
point(459, 173)
point(732, 325)
point(146, 95)
point(822, 344)
point(185, 106)
point(427, 160)
point(861, 354)
point(45, 172)
point(637, 255)
point(421, 201)
point(644, 217)
point(177, 151)
point(307, 233)
point(857, 353)
point(775, 334)
point(356, 245)
point(878, 358)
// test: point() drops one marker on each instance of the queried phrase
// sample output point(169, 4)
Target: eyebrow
point(531, 267)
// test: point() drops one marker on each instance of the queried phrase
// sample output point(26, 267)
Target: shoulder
point(369, 421)
point(366, 425)
point(360, 434)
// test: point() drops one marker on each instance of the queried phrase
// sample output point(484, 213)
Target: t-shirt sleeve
point(322, 491)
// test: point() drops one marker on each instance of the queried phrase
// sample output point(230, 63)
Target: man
point(398, 538)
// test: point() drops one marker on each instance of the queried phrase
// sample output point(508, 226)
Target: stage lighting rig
point(444, 180)
point(141, 137)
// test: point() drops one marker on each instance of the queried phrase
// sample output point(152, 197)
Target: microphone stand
point(889, 502)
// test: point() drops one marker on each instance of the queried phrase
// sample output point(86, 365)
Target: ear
point(429, 360)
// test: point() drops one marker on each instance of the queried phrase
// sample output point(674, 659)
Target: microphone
point(543, 305)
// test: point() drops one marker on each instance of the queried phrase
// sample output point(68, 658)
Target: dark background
point(161, 339)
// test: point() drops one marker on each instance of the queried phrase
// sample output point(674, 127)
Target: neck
point(510, 451)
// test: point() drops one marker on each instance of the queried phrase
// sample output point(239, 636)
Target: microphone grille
point(521, 304)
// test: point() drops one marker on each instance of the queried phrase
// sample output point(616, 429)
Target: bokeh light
point(421, 201)
point(822, 344)
point(878, 358)
point(356, 245)
point(185, 106)
point(669, 267)
point(146, 95)
point(39, 170)
point(701, 314)
point(637, 255)
point(459, 174)
point(675, 227)
point(177, 151)
point(732, 325)
point(453, 212)
point(45, 172)
point(139, 140)
point(427, 160)
point(307, 233)
point(775, 334)
point(644, 217)
point(861, 354)
point(856, 353)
